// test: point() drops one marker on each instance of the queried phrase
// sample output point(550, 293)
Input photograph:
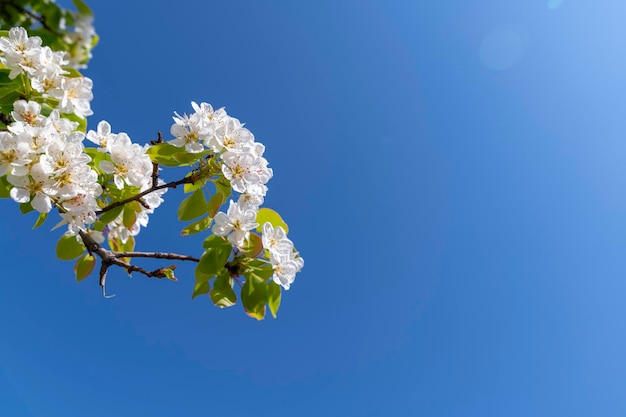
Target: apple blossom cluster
point(44, 68)
point(44, 161)
point(243, 164)
point(130, 166)
point(44, 157)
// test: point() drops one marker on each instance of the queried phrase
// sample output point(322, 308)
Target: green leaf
point(215, 256)
point(82, 7)
point(265, 215)
point(258, 270)
point(197, 227)
point(187, 188)
point(162, 153)
point(214, 204)
point(193, 206)
point(273, 297)
point(223, 187)
point(222, 293)
point(84, 266)
point(9, 94)
point(201, 276)
point(26, 208)
point(169, 272)
point(129, 246)
point(134, 206)
point(129, 217)
point(254, 298)
point(252, 246)
point(110, 215)
point(68, 248)
point(188, 158)
point(40, 220)
point(201, 287)
point(5, 187)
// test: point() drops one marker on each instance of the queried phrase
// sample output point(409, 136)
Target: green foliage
point(252, 246)
point(5, 188)
point(110, 215)
point(84, 266)
point(173, 156)
point(222, 268)
point(193, 206)
point(197, 226)
point(216, 254)
point(266, 215)
point(222, 293)
point(40, 220)
point(68, 248)
point(258, 270)
point(200, 288)
point(26, 208)
point(82, 7)
point(254, 297)
point(273, 297)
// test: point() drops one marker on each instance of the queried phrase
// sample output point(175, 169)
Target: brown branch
point(109, 258)
point(155, 166)
point(156, 255)
point(173, 184)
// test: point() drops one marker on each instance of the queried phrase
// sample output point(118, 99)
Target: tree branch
point(156, 255)
point(173, 184)
point(109, 257)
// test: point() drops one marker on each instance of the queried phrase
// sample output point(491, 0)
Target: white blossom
point(235, 224)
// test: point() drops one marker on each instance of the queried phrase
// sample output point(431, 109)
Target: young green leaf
point(169, 272)
point(266, 215)
point(252, 246)
point(163, 154)
point(215, 256)
point(273, 297)
point(254, 298)
point(258, 270)
point(129, 217)
point(197, 226)
point(193, 206)
point(26, 208)
point(82, 7)
point(68, 248)
point(40, 220)
point(84, 266)
point(193, 187)
point(222, 293)
point(215, 202)
point(201, 287)
point(5, 188)
point(110, 215)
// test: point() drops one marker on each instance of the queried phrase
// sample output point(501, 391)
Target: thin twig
point(109, 257)
point(156, 255)
point(155, 166)
point(173, 184)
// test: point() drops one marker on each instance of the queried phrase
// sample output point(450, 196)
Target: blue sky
point(452, 172)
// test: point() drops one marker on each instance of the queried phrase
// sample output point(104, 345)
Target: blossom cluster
point(44, 161)
point(130, 166)
point(243, 164)
point(44, 158)
point(44, 68)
